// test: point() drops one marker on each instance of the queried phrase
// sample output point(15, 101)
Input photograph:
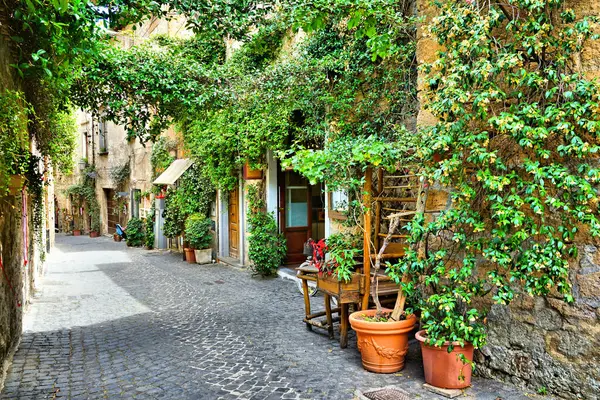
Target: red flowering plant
point(342, 249)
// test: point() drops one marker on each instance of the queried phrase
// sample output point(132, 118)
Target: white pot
point(203, 256)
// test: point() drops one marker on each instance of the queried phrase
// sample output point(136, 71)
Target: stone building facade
point(121, 195)
point(543, 343)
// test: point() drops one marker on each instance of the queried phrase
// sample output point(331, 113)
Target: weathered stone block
point(589, 285)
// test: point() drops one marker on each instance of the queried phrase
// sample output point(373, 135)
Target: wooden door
point(295, 214)
point(234, 232)
point(111, 208)
point(115, 212)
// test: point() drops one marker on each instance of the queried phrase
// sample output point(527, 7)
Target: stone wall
point(543, 343)
point(17, 278)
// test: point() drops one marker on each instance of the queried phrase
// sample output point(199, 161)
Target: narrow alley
point(110, 321)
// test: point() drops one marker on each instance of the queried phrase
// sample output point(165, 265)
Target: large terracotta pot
point(76, 232)
point(189, 255)
point(443, 369)
point(94, 234)
point(382, 345)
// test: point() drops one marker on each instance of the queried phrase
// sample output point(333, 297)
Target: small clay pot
point(76, 232)
point(382, 345)
point(190, 257)
point(443, 369)
point(117, 238)
point(94, 234)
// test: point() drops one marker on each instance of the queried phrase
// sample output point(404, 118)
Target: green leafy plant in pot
point(135, 232)
point(198, 235)
point(267, 247)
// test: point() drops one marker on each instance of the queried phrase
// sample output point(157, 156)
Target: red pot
point(382, 345)
point(190, 257)
point(94, 234)
point(76, 232)
point(443, 369)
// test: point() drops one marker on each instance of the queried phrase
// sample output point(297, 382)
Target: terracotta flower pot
point(382, 345)
point(443, 369)
point(117, 238)
point(94, 234)
point(76, 232)
point(190, 257)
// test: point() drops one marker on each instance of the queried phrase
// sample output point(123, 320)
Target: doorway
point(301, 213)
point(234, 230)
point(115, 213)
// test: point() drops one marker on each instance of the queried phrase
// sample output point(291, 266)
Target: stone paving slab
point(116, 322)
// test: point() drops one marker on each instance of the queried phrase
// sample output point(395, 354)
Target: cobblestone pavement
point(117, 322)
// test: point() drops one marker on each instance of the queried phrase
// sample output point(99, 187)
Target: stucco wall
point(536, 342)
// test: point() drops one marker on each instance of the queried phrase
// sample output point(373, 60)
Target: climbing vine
point(194, 194)
point(84, 193)
point(161, 157)
point(14, 139)
point(518, 143)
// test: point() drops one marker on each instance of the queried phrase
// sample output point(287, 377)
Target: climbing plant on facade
point(518, 143)
point(84, 195)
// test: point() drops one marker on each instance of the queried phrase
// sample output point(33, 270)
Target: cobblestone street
point(115, 322)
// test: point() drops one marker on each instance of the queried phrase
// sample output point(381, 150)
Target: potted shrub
point(95, 222)
point(135, 232)
point(197, 233)
point(447, 344)
point(77, 223)
point(382, 334)
point(190, 256)
point(266, 245)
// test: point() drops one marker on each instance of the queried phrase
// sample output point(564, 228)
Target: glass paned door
point(295, 214)
point(296, 201)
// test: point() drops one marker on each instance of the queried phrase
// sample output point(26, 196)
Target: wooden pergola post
point(367, 236)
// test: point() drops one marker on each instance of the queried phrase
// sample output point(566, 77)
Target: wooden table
point(346, 293)
point(307, 274)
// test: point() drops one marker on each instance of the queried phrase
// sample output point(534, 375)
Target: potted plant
point(266, 245)
point(197, 233)
point(447, 342)
point(76, 222)
point(135, 232)
point(382, 334)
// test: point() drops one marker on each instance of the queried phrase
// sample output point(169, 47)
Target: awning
point(174, 172)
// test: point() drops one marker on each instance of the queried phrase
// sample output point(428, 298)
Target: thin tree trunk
point(395, 221)
point(419, 247)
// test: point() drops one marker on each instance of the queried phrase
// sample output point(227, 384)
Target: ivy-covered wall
point(543, 344)
point(17, 279)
